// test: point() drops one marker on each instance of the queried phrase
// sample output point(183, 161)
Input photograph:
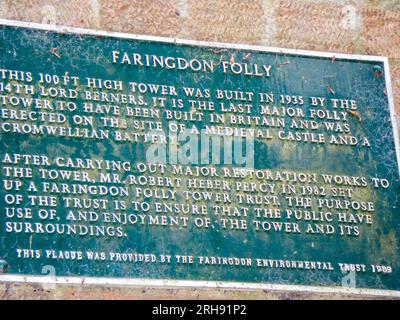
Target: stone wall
point(346, 26)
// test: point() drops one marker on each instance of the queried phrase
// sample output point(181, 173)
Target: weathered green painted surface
point(85, 55)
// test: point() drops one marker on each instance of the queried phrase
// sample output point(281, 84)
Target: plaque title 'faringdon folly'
point(127, 158)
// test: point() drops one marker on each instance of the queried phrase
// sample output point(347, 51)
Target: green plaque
point(143, 160)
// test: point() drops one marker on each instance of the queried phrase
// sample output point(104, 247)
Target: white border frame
point(212, 284)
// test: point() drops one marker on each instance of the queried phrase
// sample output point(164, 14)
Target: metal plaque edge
point(212, 284)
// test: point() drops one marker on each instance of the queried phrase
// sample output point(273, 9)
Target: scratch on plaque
point(330, 89)
point(54, 52)
point(247, 56)
point(355, 114)
point(80, 37)
point(283, 63)
point(333, 59)
point(217, 51)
